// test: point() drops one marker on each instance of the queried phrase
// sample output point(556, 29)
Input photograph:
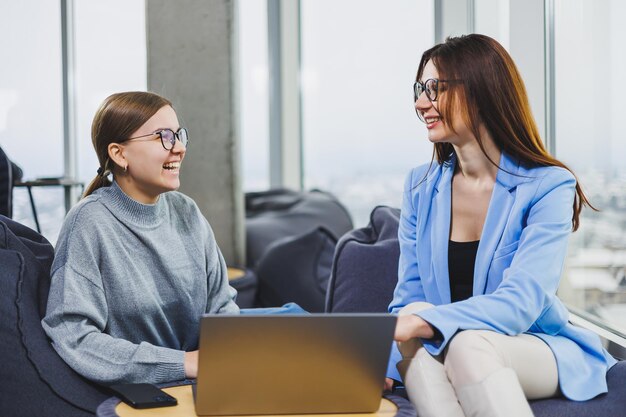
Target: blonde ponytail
point(99, 181)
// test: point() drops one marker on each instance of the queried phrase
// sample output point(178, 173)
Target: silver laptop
point(292, 364)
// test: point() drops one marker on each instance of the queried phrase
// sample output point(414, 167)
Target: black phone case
point(143, 395)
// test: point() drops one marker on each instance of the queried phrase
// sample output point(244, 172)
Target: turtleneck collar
point(127, 209)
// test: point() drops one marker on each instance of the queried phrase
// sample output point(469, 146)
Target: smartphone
point(143, 395)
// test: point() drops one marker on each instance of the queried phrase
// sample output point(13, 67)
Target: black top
point(461, 260)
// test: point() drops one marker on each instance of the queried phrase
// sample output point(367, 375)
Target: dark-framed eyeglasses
point(430, 87)
point(168, 137)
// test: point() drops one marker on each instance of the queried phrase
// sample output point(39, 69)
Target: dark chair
point(365, 268)
point(364, 275)
point(277, 214)
point(291, 238)
point(245, 282)
point(296, 269)
point(35, 380)
point(9, 174)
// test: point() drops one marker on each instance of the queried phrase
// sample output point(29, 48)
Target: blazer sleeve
point(526, 296)
point(409, 288)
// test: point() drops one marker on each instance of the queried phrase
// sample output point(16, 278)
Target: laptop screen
point(292, 364)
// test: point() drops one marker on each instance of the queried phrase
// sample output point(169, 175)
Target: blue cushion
point(35, 380)
point(296, 269)
point(365, 265)
point(611, 404)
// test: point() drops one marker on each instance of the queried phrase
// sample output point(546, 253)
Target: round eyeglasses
point(168, 137)
point(430, 87)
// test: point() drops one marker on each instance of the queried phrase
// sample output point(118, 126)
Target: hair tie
point(100, 171)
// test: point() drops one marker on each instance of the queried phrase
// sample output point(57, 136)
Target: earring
point(125, 168)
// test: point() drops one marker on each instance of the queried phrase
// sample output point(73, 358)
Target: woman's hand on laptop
point(191, 364)
point(411, 326)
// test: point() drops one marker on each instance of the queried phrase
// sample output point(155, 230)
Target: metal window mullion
point(438, 21)
point(471, 17)
point(300, 121)
point(69, 98)
point(275, 94)
point(549, 59)
point(285, 94)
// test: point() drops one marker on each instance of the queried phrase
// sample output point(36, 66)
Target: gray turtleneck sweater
point(130, 282)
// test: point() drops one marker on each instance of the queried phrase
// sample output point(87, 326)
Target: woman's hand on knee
point(412, 326)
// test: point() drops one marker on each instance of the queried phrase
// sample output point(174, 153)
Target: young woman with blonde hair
point(136, 263)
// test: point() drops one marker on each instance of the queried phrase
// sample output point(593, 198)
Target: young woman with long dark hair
point(483, 238)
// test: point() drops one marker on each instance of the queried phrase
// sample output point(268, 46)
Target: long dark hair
point(490, 92)
point(117, 118)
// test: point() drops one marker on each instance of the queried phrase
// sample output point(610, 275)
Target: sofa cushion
point(365, 265)
point(296, 269)
point(611, 404)
point(36, 381)
point(281, 213)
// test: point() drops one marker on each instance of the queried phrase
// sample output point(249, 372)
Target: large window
point(110, 47)
point(360, 132)
point(590, 138)
point(31, 103)
point(110, 56)
point(253, 97)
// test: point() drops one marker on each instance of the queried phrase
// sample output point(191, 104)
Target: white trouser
point(482, 373)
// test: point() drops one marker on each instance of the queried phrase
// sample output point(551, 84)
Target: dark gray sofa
point(34, 380)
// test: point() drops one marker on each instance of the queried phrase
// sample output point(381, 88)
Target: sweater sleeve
point(221, 296)
point(76, 320)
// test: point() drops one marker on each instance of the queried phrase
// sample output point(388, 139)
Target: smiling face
point(439, 127)
point(151, 169)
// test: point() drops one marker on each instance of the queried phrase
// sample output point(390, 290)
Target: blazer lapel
point(440, 231)
point(502, 200)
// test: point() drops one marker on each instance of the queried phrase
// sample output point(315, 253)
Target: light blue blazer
point(517, 272)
